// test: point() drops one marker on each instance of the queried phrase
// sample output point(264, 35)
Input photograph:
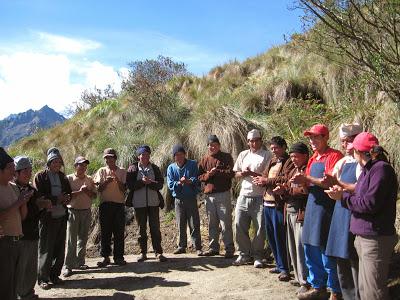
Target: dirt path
point(182, 277)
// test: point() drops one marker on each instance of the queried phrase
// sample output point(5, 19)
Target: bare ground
point(182, 277)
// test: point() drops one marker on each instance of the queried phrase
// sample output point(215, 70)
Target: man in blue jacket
point(182, 179)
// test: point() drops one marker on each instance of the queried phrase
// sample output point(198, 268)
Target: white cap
point(347, 130)
point(253, 134)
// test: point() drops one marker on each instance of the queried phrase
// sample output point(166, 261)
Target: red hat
point(365, 141)
point(317, 129)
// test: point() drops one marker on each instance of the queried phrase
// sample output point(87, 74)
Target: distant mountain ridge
point(18, 126)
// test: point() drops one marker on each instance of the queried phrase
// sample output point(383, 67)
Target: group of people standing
point(328, 217)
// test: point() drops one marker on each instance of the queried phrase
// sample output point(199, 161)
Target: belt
point(78, 209)
point(12, 238)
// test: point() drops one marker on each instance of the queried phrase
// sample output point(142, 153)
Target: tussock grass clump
point(229, 125)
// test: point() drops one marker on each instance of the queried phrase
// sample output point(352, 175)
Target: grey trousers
point(250, 209)
point(296, 248)
point(347, 270)
point(52, 232)
point(374, 254)
point(219, 212)
point(77, 235)
point(27, 269)
point(187, 213)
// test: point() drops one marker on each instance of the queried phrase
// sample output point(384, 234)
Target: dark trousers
point(112, 223)
point(276, 236)
point(9, 253)
point(27, 269)
point(52, 232)
point(149, 214)
point(187, 213)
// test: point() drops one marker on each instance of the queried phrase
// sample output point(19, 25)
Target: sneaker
point(142, 257)
point(258, 264)
point(283, 276)
point(180, 250)
point(336, 296)
point(294, 282)
point(120, 262)
point(211, 253)
point(229, 255)
point(83, 267)
point(44, 285)
point(200, 253)
point(104, 263)
point(161, 258)
point(274, 271)
point(241, 260)
point(67, 273)
point(314, 294)
point(303, 288)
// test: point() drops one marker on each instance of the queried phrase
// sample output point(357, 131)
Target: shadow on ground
point(115, 296)
point(120, 283)
point(187, 264)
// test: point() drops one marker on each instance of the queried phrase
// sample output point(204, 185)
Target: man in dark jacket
point(28, 260)
point(216, 173)
point(144, 180)
point(52, 184)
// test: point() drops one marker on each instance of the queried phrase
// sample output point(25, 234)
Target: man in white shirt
point(249, 206)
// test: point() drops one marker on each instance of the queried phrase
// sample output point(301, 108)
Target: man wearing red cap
point(322, 269)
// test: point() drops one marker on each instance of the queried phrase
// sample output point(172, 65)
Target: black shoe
point(83, 267)
point(104, 263)
point(120, 262)
point(200, 253)
point(161, 258)
point(211, 253)
point(142, 257)
point(68, 273)
point(44, 285)
point(180, 251)
point(229, 255)
point(56, 280)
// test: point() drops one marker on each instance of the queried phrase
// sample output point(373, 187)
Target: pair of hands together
point(184, 181)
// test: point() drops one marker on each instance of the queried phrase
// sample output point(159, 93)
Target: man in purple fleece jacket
point(373, 207)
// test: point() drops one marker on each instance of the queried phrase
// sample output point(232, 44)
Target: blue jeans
point(276, 236)
point(322, 269)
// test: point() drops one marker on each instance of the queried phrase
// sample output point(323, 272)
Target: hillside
point(18, 126)
point(282, 91)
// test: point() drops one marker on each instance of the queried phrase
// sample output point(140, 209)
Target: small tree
point(362, 34)
point(147, 89)
point(90, 98)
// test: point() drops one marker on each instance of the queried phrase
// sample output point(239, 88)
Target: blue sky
point(52, 50)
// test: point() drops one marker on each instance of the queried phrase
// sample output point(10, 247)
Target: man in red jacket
point(321, 268)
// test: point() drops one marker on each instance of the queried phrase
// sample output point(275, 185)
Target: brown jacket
point(296, 197)
point(282, 176)
point(222, 179)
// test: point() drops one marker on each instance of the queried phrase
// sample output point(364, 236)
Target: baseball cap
point(109, 152)
point(317, 129)
point(81, 160)
point(365, 141)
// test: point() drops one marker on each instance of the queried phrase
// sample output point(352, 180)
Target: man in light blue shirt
point(182, 179)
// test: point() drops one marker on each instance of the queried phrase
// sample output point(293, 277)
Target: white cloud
point(62, 44)
point(30, 79)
